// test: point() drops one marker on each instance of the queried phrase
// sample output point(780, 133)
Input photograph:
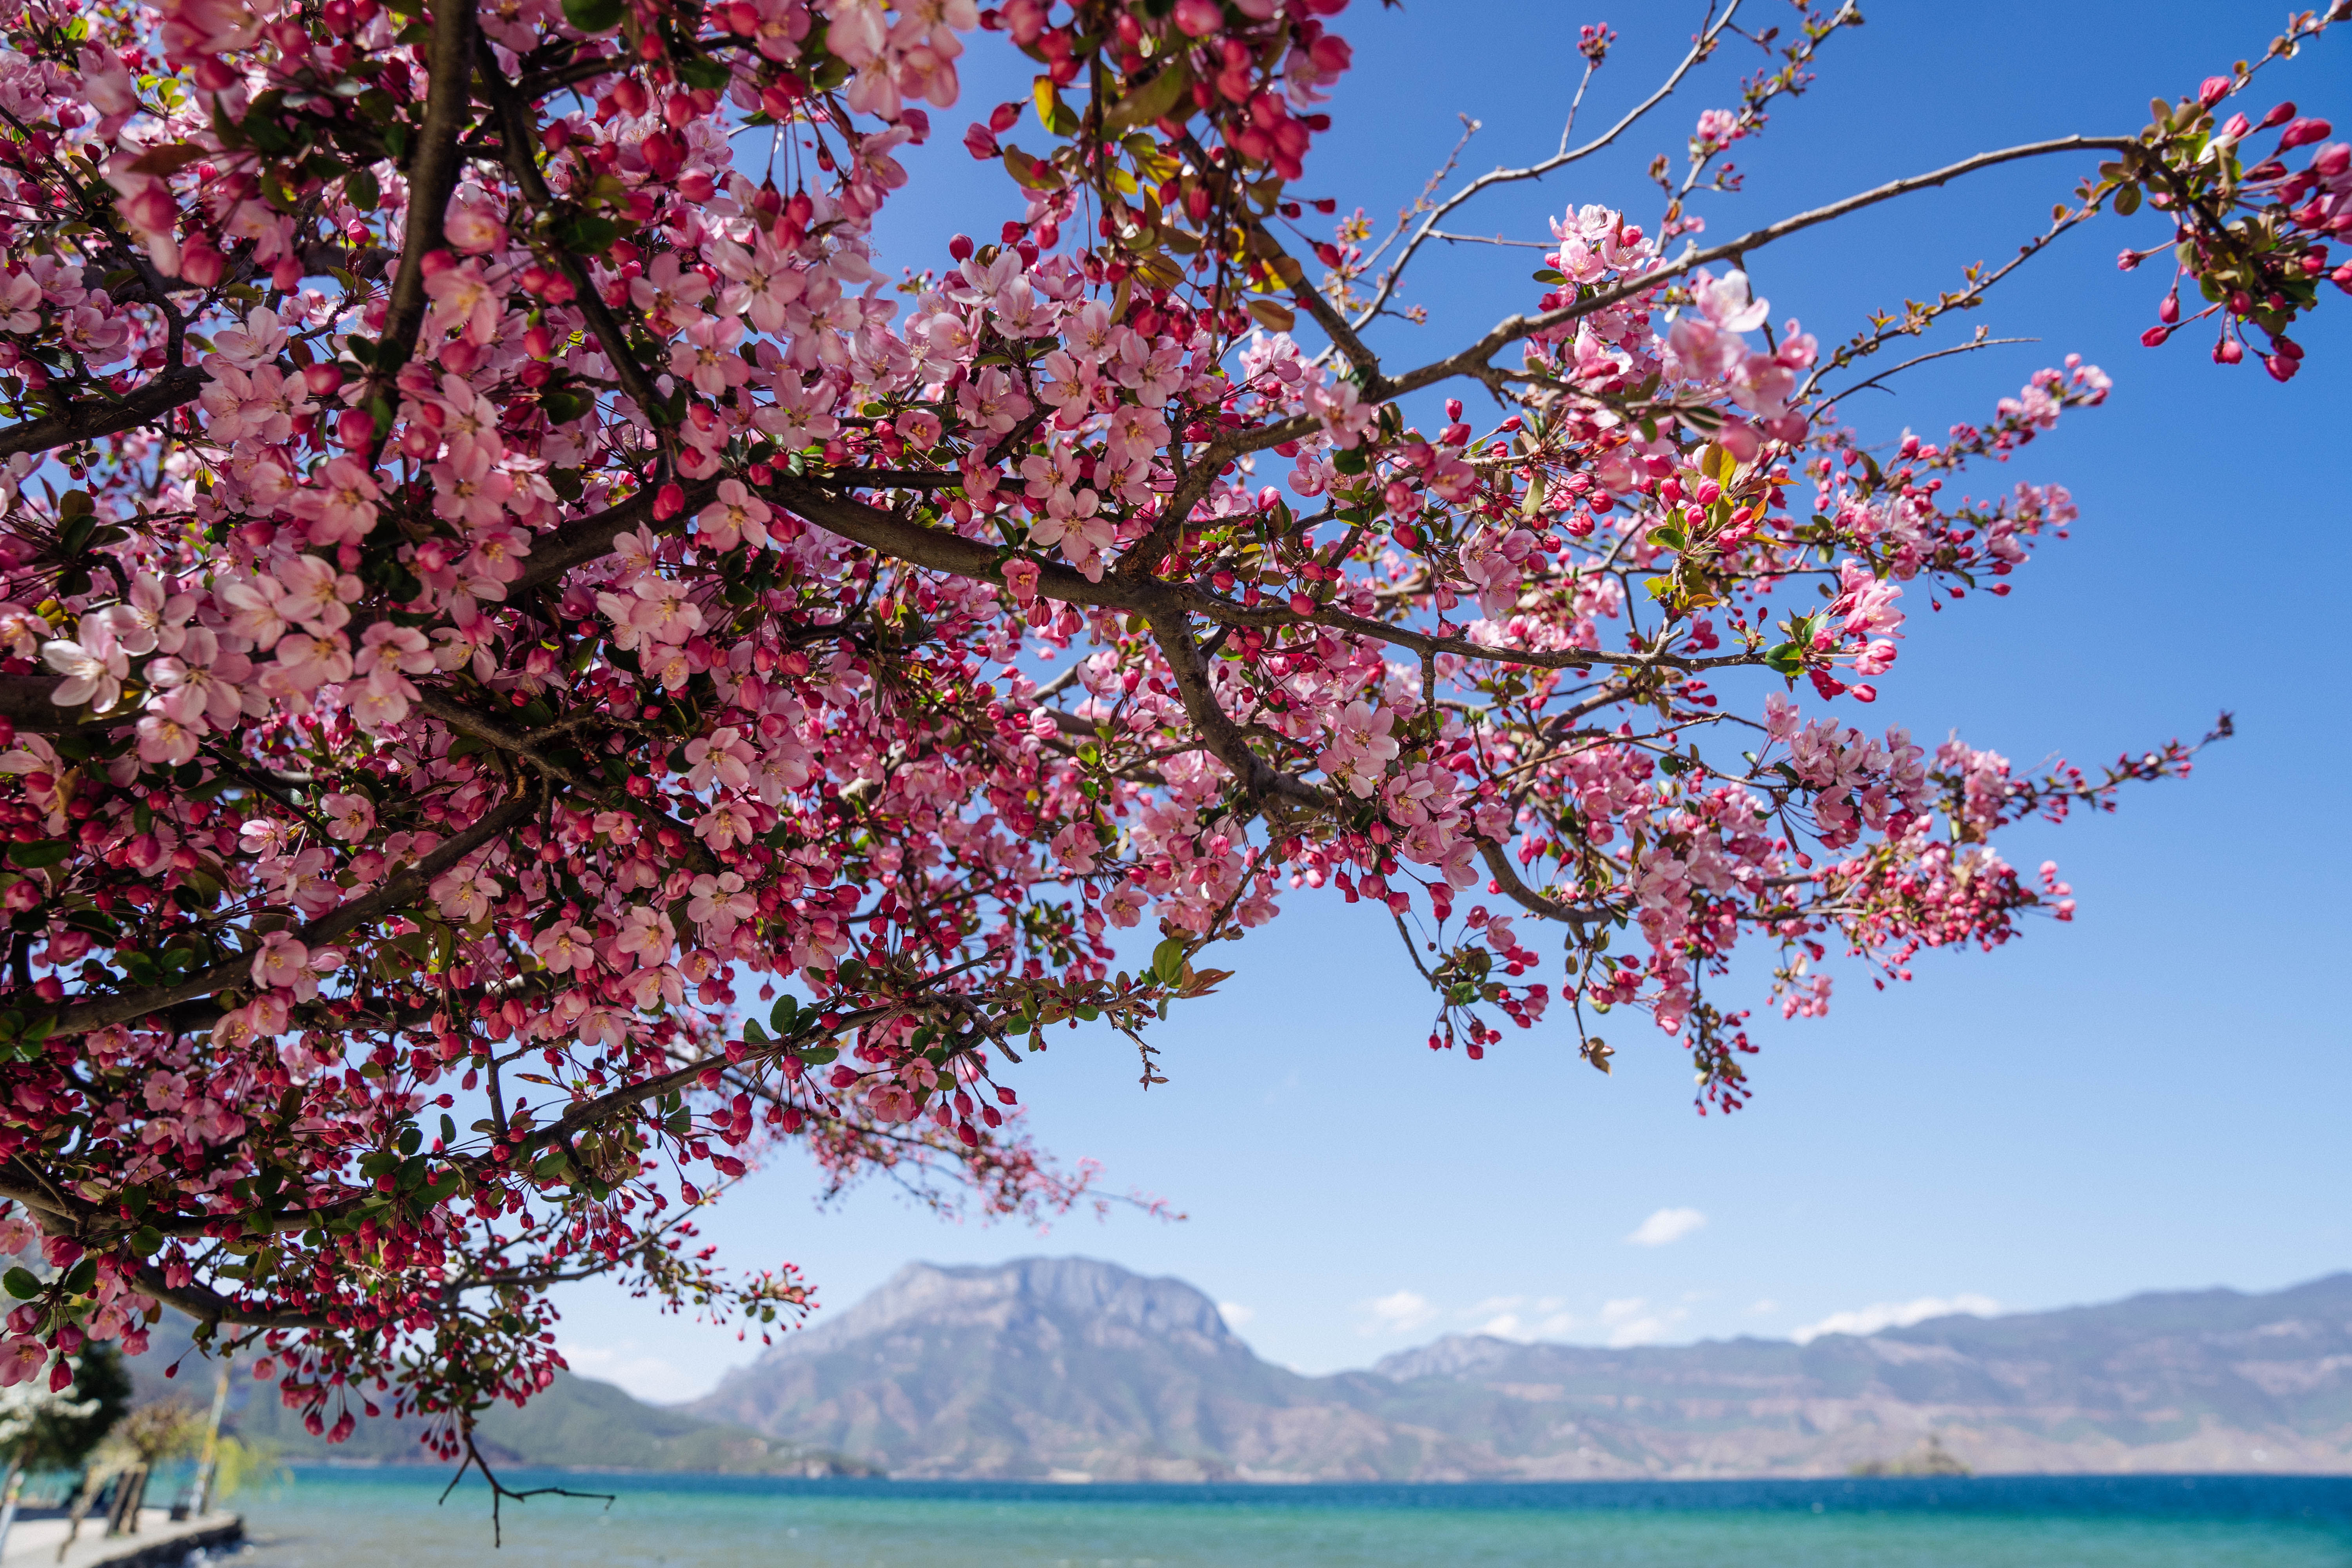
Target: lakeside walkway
point(34, 1542)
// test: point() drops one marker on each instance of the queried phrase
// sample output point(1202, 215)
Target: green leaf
point(360, 189)
point(82, 1277)
point(21, 1284)
point(1547, 275)
point(1153, 100)
point(785, 1018)
point(40, 853)
point(1052, 112)
point(1669, 537)
point(1788, 659)
point(595, 16)
point(1168, 960)
point(702, 72)
point(588, 234)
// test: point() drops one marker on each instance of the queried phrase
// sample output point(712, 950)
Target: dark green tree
point(62, 1442)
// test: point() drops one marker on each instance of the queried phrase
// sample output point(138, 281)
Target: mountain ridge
point(1073, 1367)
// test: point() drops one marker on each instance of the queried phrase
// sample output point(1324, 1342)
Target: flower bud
point(2213, 90)
point(1198, 18)
point(202, 265)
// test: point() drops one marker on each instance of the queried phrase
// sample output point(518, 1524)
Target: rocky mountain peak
point(1023, 1297)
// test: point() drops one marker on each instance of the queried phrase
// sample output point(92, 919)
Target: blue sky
point(2148, 1098)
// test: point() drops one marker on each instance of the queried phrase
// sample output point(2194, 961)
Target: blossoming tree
point(493, 569)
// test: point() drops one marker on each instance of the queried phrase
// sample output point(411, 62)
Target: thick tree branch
point(401, 892)
point(1275, 791)
point(432, 179)
point(208, 1306)
point(95, 417)
point(515, 128)
point(1507, 878)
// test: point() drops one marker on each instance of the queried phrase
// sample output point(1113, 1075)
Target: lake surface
point(326, 1517)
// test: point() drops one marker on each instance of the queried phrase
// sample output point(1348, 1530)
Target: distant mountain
point(1069, 1367)
point(576, 1422)
point(1040, 1367)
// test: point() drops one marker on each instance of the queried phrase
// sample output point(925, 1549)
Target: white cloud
point(1522, 1318)
point(1631, 1321)
point(1400, 1313)
point(1767, 1305)
point(648, 1377)
point(1665, 1225)
point(1896, 1315)
point(1234, 1313)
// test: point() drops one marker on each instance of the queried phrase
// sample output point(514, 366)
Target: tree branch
point(397, 894)
point(1511, 329)
point(88, 420)
point(431, 180)
point(1701, 47)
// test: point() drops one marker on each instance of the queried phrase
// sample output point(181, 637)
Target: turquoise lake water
point(388, 1518)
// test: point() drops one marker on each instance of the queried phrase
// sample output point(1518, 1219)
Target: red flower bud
point(2213, 90)
point(202, 265)
point(668, 501)
point(1198, 18)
